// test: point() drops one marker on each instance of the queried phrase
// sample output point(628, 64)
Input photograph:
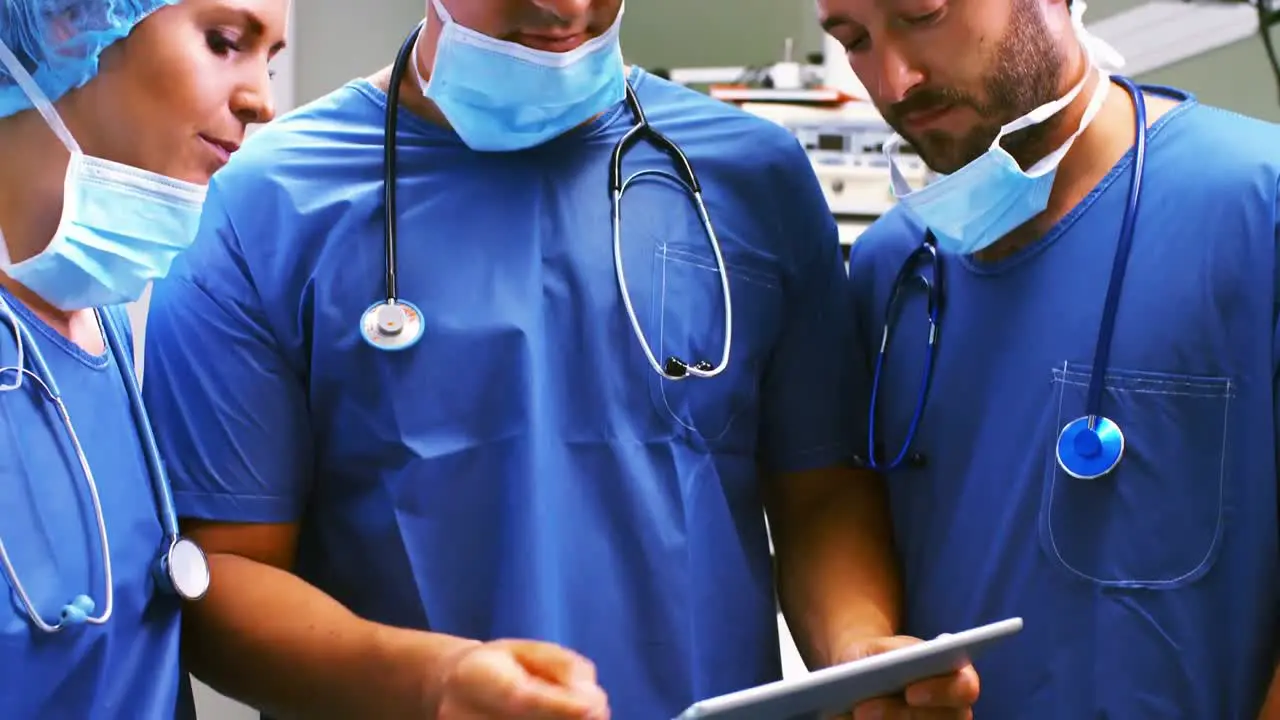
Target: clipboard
point(834, 690)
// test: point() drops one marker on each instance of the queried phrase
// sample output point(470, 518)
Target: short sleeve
point(805, 393)
point(229, 412)
point(1275, 336)
point(864, 346)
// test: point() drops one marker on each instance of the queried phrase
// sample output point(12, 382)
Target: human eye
point(221, 42)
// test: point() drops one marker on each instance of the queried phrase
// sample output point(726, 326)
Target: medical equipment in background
point(1088, 447)
point(785, 81)
point(395, 324)
point(824, 106)
point(181, 567)
point(845, 145)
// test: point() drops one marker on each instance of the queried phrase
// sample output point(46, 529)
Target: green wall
point(702, 33)
point(1237, 77)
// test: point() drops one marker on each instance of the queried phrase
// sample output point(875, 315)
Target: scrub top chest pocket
point(687, 318)
point(1155, 521)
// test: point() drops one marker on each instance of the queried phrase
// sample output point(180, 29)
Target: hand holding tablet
point(943, 696)
point(897, 675)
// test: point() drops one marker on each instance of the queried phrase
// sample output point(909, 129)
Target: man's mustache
point(926, 100)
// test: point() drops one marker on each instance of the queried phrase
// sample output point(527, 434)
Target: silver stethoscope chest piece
point(392, 325)
point(185, 569)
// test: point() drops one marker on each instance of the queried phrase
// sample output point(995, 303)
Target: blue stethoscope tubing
point(1091, 446)
point(1088, 447)
point(933, 288)
point(180, 567)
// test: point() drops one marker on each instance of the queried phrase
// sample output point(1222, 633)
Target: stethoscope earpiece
point(676, 369)
point(77, 611)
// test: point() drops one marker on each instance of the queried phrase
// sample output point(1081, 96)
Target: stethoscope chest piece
point(1090, 447)
point(184, 569)
point(392, 325)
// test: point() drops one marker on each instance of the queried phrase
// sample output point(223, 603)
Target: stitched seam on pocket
point(662, 349)
point(735, 270)
point(665, 253)
point(1204, 387)
point(1227, 394)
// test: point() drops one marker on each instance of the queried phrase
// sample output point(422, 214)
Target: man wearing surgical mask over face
point(534, 466)
point(1150, 588)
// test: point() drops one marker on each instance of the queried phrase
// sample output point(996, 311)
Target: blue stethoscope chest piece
point(1090, 447)
point(392, 325)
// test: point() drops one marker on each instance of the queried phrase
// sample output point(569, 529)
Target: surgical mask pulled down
point(121, 226)
point(972, 208)
point(501, 96)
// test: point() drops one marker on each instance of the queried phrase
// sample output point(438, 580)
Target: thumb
point(555, 665)
point(875, 646)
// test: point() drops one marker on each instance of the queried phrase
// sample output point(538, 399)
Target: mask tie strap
point(897, 181)
point(445, 17)
point(37, 98)
point(42, 105)
point(1107, 56)
point(1091, 111)
point(413, 64)
point(1048, 110)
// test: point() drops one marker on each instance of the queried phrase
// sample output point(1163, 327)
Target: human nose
point(893, 76)
point(254, 102)
point(564, 10)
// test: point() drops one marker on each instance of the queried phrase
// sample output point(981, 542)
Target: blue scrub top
point(1152, 592)
point(128, 667)
point(522, 471)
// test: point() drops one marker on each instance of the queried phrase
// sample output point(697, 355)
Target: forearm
point(1271, 708)
point(267, 638)
point(837, 575)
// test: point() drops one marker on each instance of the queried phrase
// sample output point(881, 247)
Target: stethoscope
point(180, 567)
point(396, 324)
point(1088, 447)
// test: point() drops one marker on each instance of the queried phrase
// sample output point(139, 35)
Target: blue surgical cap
point(60, 41)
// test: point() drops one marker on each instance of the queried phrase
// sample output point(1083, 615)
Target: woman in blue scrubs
point(114, 114)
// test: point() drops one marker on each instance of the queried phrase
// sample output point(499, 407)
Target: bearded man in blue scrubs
point(1151, 590)
point(535, 467)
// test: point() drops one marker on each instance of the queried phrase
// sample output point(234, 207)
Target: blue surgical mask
point(121, 227)
point(502, 96)
point(987, 199)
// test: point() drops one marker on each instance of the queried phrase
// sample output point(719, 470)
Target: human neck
point(1091, 156)
point(31, 190)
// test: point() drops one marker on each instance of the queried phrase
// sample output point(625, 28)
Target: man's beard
point(1026, 73)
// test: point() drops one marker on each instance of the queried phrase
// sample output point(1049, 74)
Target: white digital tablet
point(834, 690)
